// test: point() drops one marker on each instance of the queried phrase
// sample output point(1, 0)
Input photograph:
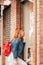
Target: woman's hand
point(15, 62)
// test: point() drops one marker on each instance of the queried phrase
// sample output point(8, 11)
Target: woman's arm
point(15, 45)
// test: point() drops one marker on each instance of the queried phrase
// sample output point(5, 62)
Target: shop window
point(26, 19)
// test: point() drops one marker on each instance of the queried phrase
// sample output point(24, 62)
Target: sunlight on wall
point(31, 24)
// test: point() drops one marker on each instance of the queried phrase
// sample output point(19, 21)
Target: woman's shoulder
point(16, 40)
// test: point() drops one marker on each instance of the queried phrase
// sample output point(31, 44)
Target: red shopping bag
point(6, 48)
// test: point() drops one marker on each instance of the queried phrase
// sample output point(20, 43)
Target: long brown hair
point(16, 32)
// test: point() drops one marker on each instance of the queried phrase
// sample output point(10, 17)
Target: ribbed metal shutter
point(7, 24)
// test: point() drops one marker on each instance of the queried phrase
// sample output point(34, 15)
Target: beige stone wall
point(34, 36)
point(41, 30)
point(13, 18)
point(1, 1)
point(38, 34)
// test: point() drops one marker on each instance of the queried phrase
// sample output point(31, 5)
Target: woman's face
point(16, 33)
point(21, 34)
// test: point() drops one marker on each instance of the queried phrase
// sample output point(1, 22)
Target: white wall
point(28, 21)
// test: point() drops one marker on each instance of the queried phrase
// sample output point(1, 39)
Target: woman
point(17, 45)
point(21, 36)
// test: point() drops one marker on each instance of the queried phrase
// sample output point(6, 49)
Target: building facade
point(29, 16)
point(1, 28)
